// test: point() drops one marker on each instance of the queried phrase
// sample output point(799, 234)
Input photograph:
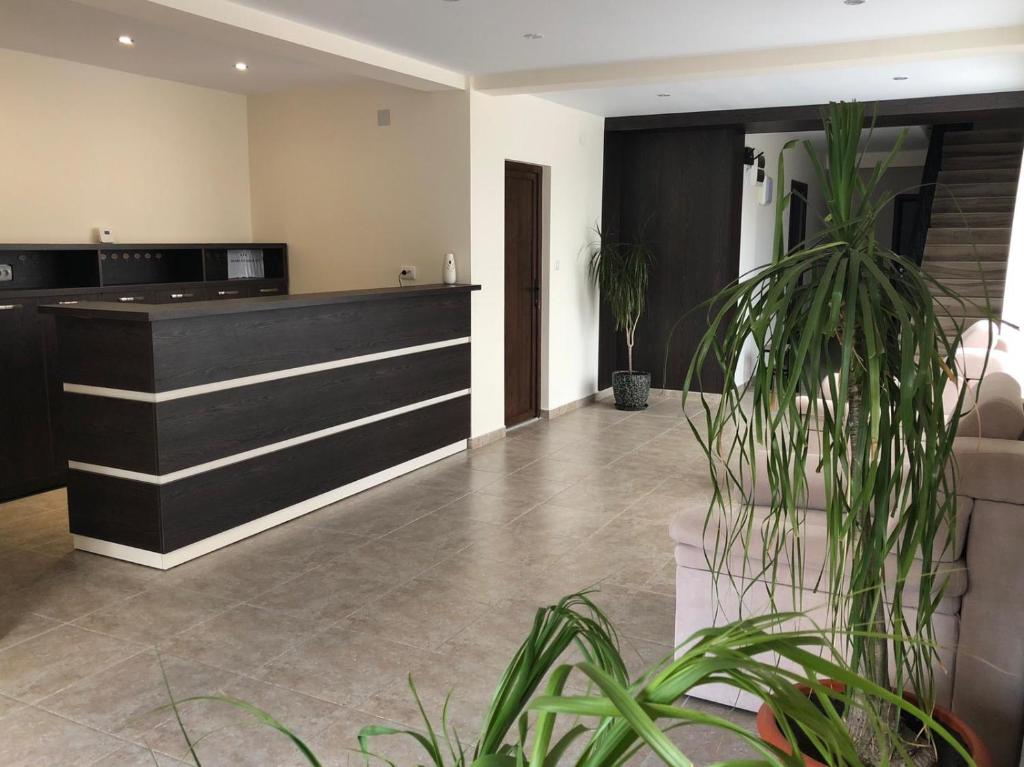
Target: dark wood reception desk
point(192, 426)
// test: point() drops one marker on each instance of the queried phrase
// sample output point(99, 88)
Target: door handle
point(227, 292)
point(66, 303)
point(9, 307)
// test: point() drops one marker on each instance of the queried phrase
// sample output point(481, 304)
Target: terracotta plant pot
point(768, 730)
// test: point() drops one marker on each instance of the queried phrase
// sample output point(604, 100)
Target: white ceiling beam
point(228, 21)
point(766, 61)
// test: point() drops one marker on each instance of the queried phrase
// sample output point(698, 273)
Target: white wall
point(757, 222)
point(83, 147)
point(570, 146)
point(1013, 292)
point(355, 202)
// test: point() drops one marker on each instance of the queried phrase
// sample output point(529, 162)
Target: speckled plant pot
point(631, 389)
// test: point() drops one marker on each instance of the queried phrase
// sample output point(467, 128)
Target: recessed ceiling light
point(854, 2)
point(241, 66)
point(533, 36)
point(664, 95)
point(901, 77)
point(126, 40)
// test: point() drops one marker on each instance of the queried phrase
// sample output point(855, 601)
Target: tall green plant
point(621, 271)
point(853, 328)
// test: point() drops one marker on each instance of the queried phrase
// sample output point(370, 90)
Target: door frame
point(538, 243)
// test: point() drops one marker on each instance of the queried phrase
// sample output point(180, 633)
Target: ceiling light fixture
point(534, 36)
point(854, 2)
point(664, 95)
point(900, 77)
point(126, 40)
point(241, 66)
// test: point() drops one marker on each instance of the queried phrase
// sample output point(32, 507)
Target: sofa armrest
point(990, 469)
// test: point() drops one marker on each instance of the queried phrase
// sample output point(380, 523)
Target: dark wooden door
point(797, 214)
point(522, 291)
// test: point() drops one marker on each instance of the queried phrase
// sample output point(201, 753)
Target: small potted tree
point(621, 271)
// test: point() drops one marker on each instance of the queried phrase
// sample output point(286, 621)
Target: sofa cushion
point(997, 412)
point(690, 527)
point(989, 469)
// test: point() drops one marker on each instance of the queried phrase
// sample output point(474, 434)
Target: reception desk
point(192, 426)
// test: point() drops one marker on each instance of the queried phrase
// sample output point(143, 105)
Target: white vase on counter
point(450, 275)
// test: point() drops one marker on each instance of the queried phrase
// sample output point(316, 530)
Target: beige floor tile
point(338, 745)
point(416, 614)
point(223, 734)
point(131, 698)
point(57, 659)
point(137, 756)
point(154, 614)
point(345, 667)
point(526, 489)
point(34, 738)
point(17, 625)
point(323, 595)
point(241, 639)
point(9, 706)
point(477, 507)
point(229, 574)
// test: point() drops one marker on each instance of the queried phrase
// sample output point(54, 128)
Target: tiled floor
point(320, 620)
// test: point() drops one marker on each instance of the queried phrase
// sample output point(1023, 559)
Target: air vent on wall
point(383, 118)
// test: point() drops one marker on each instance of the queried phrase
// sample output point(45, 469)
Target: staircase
point(968, 241)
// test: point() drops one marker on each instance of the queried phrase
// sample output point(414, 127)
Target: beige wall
point(355, 202)
point(82, 147)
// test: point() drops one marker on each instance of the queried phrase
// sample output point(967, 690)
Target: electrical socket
point(408, 273)
point(6, 273)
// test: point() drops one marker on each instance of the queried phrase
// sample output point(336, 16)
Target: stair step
point(996, 136)
point(973, 205)
point(975, 289)
point(975, 220)
point(974, 150)
point(966, 253)
point(943, 235)
point(970, 305)
point(984, 189)
point(978, 176)
point(978, 161)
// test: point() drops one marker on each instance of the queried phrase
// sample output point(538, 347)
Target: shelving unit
point(32, 456)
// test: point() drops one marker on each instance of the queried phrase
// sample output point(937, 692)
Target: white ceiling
point(77, 32)
point(486, 36)
point(609, 57)
point(933, 77)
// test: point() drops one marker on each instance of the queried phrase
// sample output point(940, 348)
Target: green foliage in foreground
point(617, 718)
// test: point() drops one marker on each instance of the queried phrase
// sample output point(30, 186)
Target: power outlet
point(408, 273)
point(6, 272)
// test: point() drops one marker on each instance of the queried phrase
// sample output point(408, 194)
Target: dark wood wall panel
point(202, 350)
point(116, 510)
point(681, 192)
point(116, 433)
point(199, 429)
point(124, 434)
point(237, 494)
point(126, 361)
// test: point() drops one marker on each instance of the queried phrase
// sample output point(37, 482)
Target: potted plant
point(621, 271)
point(852, 366)
point(617, 717)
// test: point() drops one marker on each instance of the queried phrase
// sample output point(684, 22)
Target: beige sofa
point(980, 619)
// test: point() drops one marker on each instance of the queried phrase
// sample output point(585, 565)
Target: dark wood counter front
point(192, 426)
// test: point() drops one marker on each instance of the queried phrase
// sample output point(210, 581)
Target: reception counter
point(192, 426)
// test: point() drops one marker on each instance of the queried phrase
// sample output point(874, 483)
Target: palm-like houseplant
point(621, 272)
point(852, 364)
